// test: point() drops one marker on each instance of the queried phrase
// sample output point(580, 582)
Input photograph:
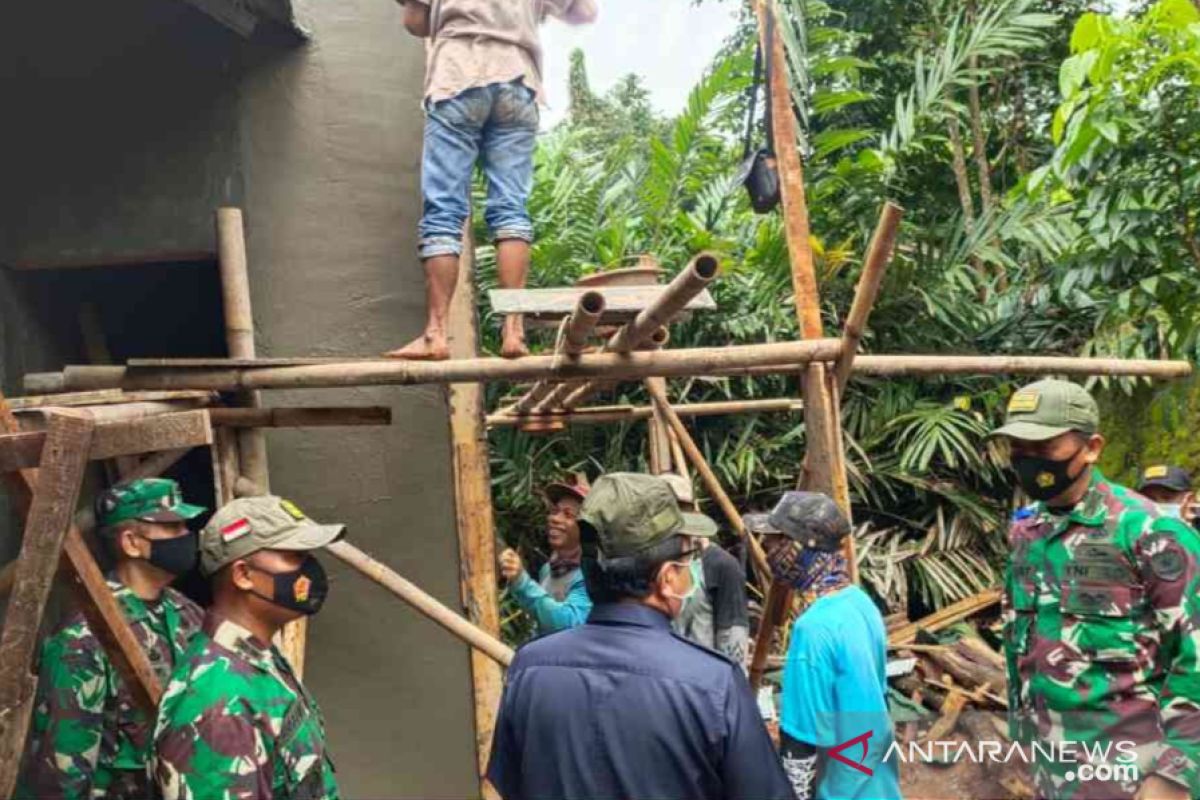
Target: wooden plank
point(620, 302)
point(96, 599)
point(60, 480)
point(181, 257)
point(100, 398)
point(185, 429)
point(473, 511)
point(312, 417)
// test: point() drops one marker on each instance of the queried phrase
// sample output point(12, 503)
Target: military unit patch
point(292, 510)
point(1024, 402)
point(1168, 564)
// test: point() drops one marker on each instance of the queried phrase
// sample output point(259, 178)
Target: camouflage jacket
point(235, 722)
point(1102, 636)
point(88, 740)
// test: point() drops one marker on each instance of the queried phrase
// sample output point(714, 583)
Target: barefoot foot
point(427, 347)
point(512, 344)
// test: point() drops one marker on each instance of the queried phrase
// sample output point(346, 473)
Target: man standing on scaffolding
point(483, 83)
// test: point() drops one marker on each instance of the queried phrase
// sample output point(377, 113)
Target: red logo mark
point(836, 753)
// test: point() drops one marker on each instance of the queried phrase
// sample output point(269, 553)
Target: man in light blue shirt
point(834, 724)
point(558, 599)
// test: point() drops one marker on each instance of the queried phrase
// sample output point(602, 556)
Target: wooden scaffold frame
point(159, 409)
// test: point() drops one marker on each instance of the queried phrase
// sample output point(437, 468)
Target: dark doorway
point(108, 314)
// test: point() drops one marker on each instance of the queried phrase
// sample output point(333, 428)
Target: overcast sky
point(668, 42)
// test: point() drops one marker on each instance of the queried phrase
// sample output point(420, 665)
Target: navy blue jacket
point(623, 708)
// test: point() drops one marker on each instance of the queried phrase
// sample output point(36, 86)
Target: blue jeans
point(496, 125)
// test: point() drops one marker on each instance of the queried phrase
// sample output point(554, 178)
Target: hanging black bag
point(759, 173)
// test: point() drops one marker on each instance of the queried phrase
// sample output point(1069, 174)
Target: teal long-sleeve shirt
point(549, 613)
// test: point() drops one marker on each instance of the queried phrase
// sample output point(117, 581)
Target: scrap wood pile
point(950, 683)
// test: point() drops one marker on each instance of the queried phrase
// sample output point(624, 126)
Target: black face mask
point(176, 556)
point(303, 589)
point(1045, 478)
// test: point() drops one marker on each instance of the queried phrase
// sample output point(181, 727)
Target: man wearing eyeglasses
point(622, 706)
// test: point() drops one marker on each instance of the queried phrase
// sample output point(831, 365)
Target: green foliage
point(1127, 166)
point(876, 82)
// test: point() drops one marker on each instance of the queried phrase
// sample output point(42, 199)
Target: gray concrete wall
point(138, 122)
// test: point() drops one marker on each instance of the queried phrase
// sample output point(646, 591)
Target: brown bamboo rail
point(288, 417)
point(934, 365)
point(577, 329)
point(625, 413)
point(788, 356)
point(879, 255)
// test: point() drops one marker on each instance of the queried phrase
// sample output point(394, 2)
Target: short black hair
point(110, 535)
point(631, 577)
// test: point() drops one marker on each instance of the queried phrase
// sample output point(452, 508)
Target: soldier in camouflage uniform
point(235, 721)
point(88, 740)
point(1102, 618)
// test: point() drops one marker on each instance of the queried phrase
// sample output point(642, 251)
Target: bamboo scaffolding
point(692, 451)
point(879, 255)
point(647, 328)
point(625, 413)
point(934, 366)
point(573, 342)
point(609, 366)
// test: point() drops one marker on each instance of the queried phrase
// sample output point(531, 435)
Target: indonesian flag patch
point(235, 530)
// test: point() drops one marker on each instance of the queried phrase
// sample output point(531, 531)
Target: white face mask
point(1171, 509)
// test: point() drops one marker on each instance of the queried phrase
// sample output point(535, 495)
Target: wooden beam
point(60, 480)
point(476, 524)
point(129, 259)
point(757, 557)
point(311, 417)
point(625, 413)
point(185, 429)
point(103, 397)
point(938, 366)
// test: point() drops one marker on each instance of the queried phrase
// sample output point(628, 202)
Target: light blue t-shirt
point(834, 691)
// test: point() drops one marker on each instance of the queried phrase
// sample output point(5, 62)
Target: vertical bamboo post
point(824, 470)
point(757, 557)
point(473, 509)
point(657, 439)
point(251, 450)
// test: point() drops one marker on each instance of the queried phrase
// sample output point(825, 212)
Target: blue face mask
point(1171, 509)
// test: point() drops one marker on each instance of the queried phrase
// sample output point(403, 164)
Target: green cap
point(629, 512)
point(250, 524)
point(694, 523)
point(148, 499)
point(1047, 409)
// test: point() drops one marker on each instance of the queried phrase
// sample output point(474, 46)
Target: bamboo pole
point(647, 328)
point(757, 557)
point(573, 342)
point(423, 602)
point(575, 394)
point(605, 366)
point(626, 413)
point(879, 255)
point(313, 417)
point(936, 366)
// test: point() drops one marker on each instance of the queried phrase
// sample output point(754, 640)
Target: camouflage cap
point(250, 524)
point(1049, 408)
point(811, 518)
point(628, 512)
point(148, 499)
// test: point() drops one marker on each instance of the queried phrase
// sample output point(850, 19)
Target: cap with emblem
point(760, 524)
point(1047, 409)
point(250, 524)
point(694, 523)
point(811, 518)
point(147, 499)
point(1175, 479)
point(628, 512)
